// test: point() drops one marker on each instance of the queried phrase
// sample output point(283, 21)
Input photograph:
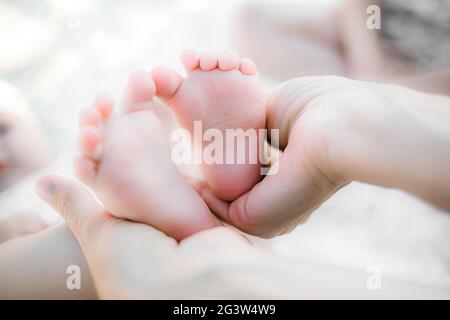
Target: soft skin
point(131, 260)
point(334, 130)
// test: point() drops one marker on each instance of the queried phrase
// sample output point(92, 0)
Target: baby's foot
point(223, 92)
point(126, 161)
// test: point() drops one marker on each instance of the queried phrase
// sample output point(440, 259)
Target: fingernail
point(45, 188)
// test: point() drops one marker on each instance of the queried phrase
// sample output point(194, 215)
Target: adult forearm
point(38, 267)
point(333, 131)
point(410, 152)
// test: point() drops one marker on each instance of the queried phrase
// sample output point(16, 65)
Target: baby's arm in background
point(35, 267)
point(20, 224)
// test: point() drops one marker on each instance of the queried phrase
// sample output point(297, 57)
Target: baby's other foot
point(223, 92)
point(126, 161)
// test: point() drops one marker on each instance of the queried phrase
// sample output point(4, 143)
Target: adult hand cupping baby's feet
point(126, 159)
point(130, 260)
point(330, 130)
point(325, 126)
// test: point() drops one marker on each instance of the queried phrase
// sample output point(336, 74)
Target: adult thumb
point(82, 213)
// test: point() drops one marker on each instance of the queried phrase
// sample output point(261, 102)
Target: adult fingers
point(298, 182)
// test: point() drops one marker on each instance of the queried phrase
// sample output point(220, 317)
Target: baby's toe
point(90, 142)
point(190, 59)
point(167, 81)
point(208, 60)
point(90, 117)
point(247, 66)
point(140, 89)
point(84, 169)
point(228, 60)
point(104, 104)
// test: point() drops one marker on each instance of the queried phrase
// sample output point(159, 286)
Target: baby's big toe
point(140, 89)
point(167, 81)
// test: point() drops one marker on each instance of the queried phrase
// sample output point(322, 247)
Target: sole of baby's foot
point(221, 91)
point(126, 161)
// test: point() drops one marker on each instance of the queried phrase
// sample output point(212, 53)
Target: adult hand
point(133, 260)
point(335, 130)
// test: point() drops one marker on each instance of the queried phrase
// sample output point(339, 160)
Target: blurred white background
point(60, 54)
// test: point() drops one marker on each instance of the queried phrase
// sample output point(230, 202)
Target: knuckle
point(65, 203)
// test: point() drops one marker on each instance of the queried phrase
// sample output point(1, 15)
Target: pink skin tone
point(126, 161)
point(23, 149)
point(223, 92)
point(20, 224)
